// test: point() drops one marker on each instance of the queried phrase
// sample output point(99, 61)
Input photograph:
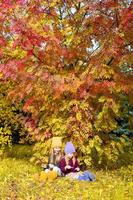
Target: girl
point(70, 167)
point(55, 156)
point(69, 162)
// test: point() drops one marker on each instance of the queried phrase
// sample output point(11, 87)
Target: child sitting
point(55, 156)
point(69, 162)
point(70, 167)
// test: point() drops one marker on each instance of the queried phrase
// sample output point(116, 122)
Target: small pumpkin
point(52, 175)
point(43, 176)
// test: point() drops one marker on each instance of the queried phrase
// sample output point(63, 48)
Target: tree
point(71, 61)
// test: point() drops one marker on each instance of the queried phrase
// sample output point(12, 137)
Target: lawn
point(17, 181)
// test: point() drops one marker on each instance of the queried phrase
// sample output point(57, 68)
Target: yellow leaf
point(78, 116)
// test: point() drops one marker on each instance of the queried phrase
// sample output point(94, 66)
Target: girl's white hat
point(56, 142)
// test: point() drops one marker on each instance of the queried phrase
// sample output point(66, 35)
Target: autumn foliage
point(72, 61)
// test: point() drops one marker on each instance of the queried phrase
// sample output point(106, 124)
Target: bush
point(94, 153)
point(11, 127)
point(97, 145)
point(98, 154)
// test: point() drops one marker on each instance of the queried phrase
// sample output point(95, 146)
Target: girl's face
point(57, 150)
point(70, 155)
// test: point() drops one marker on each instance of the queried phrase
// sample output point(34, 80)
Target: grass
point(17, 181)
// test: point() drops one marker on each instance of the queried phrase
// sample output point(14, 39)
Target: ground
point(18, 181)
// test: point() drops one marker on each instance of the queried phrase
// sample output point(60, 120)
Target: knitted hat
point(56, 142)
point(69, 148)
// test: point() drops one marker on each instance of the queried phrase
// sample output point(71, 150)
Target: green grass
point(17, 181)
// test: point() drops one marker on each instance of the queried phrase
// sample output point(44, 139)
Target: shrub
point(11, 127)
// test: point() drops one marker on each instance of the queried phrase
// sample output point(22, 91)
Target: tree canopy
point(71, 61)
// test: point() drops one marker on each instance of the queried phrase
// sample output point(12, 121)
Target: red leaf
point(2, 41)
point(28, 103)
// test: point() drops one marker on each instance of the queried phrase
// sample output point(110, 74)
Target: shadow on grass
point(19, 151)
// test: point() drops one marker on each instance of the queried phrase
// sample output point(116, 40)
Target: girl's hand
point(77, 169)
point(68, 167)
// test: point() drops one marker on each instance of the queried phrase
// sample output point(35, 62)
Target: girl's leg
point(73, 175)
